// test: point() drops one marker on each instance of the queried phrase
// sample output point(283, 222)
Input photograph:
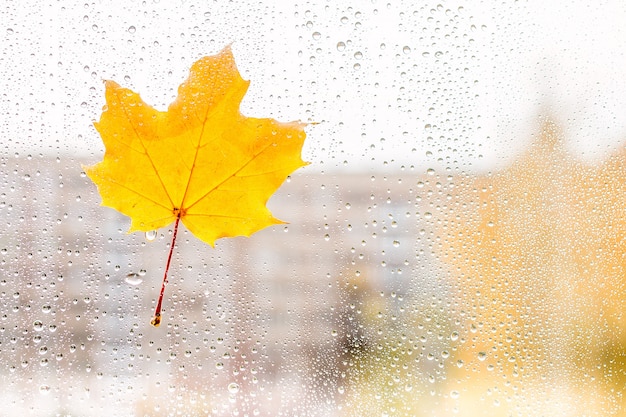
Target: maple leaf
point(201, 162)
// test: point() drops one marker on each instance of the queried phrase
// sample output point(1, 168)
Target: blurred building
point(266, 323)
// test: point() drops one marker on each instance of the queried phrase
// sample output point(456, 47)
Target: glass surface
point(456, 246)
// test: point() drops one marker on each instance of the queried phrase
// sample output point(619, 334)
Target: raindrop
point(341, 46)
point(233, 388)
point(406, 50)
point(482, 356)
point(133, 279)
point(38, 325)
point(317, 35)
point(151, 235)
point(132, 29)
point(44, 389)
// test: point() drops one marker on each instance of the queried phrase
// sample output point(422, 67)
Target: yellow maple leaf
point(201, 162)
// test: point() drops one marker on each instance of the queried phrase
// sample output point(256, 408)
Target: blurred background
point(457, 245)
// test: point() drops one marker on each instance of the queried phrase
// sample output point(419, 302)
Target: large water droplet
point(133, 279)
point(151, 235)
point(233, 388)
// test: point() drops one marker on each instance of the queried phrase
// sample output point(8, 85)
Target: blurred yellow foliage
point(538, 255)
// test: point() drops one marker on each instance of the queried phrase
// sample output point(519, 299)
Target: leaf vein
point(135, 192)
point(145, 151)
point(230, 176)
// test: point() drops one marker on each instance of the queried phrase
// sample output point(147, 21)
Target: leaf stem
point(156, 320)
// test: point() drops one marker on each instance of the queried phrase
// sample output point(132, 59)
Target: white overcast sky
point(455, 84)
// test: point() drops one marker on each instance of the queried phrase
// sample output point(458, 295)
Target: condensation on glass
point(455, 247)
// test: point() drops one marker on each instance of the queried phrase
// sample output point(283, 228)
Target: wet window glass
point(456, 245)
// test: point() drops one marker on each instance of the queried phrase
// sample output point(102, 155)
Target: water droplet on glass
point(482, 356)
point(233, 388)
point(151, 235)
point(132, 29)
point(133, 279)
point(317, 35)
point(44, 389)
point(341, 46)
point(406, 50)
point(38, 325)
point(454, 394)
